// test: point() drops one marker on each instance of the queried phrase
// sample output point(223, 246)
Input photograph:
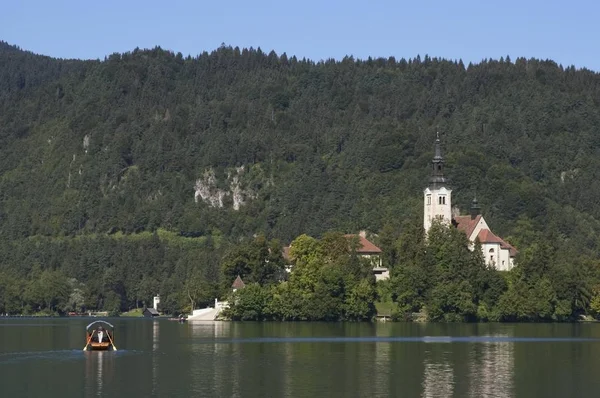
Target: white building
point(371, 253)
point(438, 205)
point(438, 195)
point(496, 251)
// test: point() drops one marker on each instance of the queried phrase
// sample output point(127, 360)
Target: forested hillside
point(102, 159)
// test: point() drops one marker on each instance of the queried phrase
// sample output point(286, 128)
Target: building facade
point(437, 197)
point(437, 202)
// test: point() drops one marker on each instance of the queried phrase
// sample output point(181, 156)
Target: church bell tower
point(437, 196)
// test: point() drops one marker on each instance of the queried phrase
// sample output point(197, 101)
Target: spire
point(438, 150)
point(475, 208)
point(437, 165)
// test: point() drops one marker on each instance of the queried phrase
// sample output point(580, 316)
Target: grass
point(136, 312)
point(384, 308)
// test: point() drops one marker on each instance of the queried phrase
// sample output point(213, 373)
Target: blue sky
point(469, 30)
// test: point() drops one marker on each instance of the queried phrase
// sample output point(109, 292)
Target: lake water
point(161, 358)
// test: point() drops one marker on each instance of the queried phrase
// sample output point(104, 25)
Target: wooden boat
point(99, 336)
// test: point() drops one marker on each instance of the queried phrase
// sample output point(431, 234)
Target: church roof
point(238, 283)
point(364, 246)
point(487, 236)
point(466, 224)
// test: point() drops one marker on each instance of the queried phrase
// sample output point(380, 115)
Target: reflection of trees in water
point(491, 369)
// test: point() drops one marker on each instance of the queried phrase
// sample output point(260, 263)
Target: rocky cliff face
point(207, 189)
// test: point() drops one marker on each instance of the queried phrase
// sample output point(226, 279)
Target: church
point(438, 205)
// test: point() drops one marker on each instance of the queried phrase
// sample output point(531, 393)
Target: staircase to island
point(209, 313)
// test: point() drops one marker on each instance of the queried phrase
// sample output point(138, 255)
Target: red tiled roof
point(238, 283)
point(364, 246)
point(487, 236)
point(467, 224)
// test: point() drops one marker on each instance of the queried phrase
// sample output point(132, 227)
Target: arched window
point(492, 250)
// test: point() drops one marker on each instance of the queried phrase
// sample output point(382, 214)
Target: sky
point(565, 32)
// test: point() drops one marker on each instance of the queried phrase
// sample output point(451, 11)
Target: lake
point(161, 358)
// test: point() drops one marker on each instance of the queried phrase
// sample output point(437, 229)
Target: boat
point(99, 336)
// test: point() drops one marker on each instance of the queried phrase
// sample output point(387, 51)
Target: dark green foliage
point(255, 261)
point(328, 282)
point(449, 282)
point(90, 150)
point(113, 273)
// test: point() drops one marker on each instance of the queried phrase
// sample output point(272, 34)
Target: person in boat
point(100, 334)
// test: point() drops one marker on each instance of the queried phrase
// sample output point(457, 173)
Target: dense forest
point(144, 172)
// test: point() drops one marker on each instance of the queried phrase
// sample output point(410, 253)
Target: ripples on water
point(59, 355)
point(227, 359)
point(375, 339)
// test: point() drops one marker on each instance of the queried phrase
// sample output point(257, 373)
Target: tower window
point(492, 250)
point(428, 199)
point(442, 200)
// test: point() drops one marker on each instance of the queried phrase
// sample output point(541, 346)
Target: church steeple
point(438, 195)
point(437, 166)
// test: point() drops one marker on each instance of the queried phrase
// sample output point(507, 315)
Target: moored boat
point(100, 336)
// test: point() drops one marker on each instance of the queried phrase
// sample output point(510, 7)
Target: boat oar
point(111, 341)
point(89, 340)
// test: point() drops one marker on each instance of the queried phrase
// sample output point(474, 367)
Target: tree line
point(100, 161)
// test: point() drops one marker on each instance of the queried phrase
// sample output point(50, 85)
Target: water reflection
point(155, 340)
point(210, 329)
point(438, 377)
point(488, 366)
point(98, 371)
point(383, 363)
point(210, 365)
point(492, 367)
point(287, 368)
point(228, 359)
